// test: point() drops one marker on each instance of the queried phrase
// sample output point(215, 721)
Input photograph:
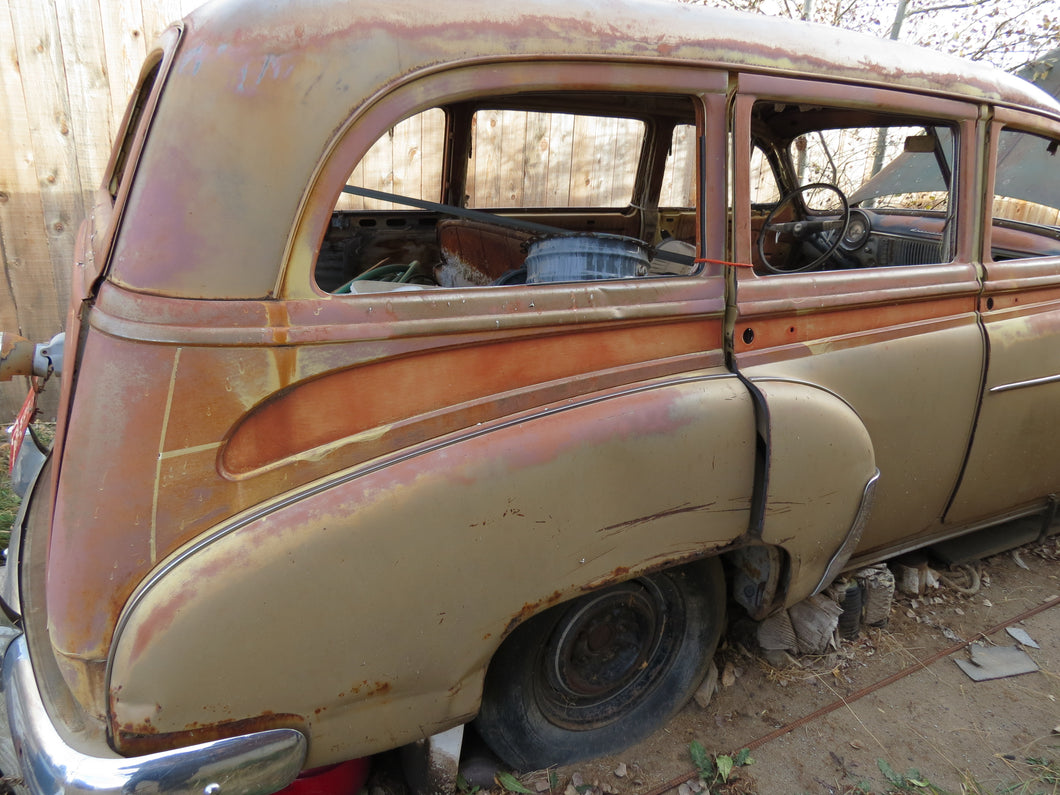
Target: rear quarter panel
point(370, 604)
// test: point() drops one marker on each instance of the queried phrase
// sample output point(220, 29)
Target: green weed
point(716, 769)
point(909, 782)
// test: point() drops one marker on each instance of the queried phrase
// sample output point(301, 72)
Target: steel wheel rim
point(608, 652)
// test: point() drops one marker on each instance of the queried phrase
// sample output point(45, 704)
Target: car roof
point(420, 33)
point(258, 91)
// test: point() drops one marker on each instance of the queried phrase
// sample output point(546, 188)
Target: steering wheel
point(806, 229)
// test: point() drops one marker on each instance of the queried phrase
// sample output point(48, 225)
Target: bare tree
point(1007, 33)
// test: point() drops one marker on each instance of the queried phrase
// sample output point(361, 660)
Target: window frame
point(1014, 121)
point(915, 107)
point(475, 85)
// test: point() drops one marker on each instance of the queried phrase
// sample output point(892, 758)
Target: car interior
point(575, 186)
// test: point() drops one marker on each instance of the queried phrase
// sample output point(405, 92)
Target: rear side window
point(406, 161)
point(1026, 205)
point(524, 188)
point(134, 118)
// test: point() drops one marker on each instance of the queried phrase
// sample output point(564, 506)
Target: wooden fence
point(67, 70)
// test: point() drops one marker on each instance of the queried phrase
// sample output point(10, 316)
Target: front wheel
point(599, 673)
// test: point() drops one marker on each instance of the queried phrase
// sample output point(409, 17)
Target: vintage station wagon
point(437, 362)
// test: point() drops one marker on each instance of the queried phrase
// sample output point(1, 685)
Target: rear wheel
point(599, 673)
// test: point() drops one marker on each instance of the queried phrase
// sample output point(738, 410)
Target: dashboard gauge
point(858, 231)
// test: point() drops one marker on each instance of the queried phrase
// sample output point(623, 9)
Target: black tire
point(599, 673)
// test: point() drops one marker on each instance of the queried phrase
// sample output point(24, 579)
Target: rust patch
point(317, 408)
point(531, 608)
point(380, 688)
point(139, 739)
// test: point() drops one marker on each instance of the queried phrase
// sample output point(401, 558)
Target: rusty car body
point(345, 461)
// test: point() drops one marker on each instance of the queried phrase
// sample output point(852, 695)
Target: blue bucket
point(585, 257)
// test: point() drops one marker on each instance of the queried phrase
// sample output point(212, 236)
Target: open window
point(837, 189)
point(535, 187)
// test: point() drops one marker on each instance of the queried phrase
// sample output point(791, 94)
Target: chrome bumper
point(253, 764)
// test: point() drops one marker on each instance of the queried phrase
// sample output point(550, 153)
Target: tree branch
point(953, 7)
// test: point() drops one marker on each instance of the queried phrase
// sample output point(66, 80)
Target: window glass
point(532, 159)
point(901, 167)
point(835, 189)
point(1026, 206)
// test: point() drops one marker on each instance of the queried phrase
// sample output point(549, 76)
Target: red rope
point(699, 260)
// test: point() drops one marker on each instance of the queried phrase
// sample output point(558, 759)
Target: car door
point(887, 321)
point(1013, 465)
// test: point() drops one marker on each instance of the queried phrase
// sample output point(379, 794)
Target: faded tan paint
point(539, 507)
point(890, 355)
point(811, 431)
point(454, 461)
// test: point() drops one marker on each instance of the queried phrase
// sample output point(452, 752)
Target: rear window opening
point(462, 195)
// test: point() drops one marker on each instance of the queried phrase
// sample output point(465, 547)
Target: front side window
point(842, 189)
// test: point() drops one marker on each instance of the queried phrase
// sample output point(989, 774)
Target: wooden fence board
point(126, 49)
point(160, 14)
point(91, 114)
point(561, 150)
point(28, 300)
point(535, 159)
point(39, 50)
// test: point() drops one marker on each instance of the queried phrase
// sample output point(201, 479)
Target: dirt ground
point(889, 712)
point(958, 735)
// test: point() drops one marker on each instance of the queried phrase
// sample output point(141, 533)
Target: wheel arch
point(588, 676)
point(458, 542)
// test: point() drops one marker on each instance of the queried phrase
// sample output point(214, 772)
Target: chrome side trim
point(253, 764)
point(1049, 379)
point(846, 549)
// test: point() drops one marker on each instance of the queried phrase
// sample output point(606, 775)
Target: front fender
point(821, 472)
point(364, 608)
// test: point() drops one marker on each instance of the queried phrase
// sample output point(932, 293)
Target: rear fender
point(366, 607)
point(820, 477)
